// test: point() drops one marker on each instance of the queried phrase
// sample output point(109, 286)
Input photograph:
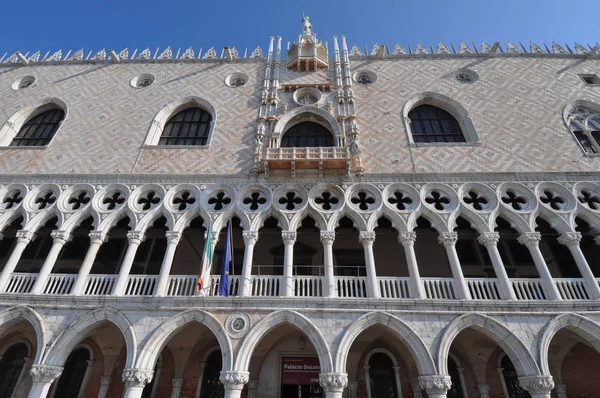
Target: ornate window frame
point(307, 113)
point(13, 125)
point(449, 105)
point(171, 109)
point(592, 106)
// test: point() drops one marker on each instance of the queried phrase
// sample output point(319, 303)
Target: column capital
point(407, 237)
point(288, 236)
point(61, 237)
point(447, 238)
point(327, 236)
point(233, 380)
point(488, 238)
point(366, 236)
point(177, 382)
point(250, 236)
point(333, 382)
point(173, 237)
point(537, 385)
point(530, 239)
point(136, 237)
point(98, 236)
point(25, 236)
point(435, 384)
point(137, 377)
point(45, 373)
point(570, 239)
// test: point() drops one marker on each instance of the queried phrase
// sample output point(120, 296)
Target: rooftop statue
point(306, 27)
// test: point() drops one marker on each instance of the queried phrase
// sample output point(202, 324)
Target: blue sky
point(60, 24)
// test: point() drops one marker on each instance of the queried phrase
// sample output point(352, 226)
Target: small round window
point(22, 83)
point(143, 80)
point(466, 76)
point(365, 77)
point(236, 80)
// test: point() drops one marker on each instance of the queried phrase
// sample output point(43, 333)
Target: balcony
point(319, 158)
point(303, 286)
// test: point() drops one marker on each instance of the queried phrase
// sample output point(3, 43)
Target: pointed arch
point(580, 325)
point(515, 349)
point(414, 344)
point(320, 221)
point(68, 339)
point(303, 114)
point(357, 221)
point(14, 315)
point(152, 348)
point(270, 322)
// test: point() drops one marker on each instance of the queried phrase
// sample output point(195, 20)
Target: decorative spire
point(308, 54)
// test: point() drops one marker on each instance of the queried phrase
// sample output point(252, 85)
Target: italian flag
point(203, 285)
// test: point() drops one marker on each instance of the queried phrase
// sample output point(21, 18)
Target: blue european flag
point(224, 283)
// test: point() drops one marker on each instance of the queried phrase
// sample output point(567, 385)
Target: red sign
point(300, 370)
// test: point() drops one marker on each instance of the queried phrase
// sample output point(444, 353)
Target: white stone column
point(327, 238)
point(135, 239)
point(368, 381)
point(173, 238)
point(135, 381)
point(532, 241)
point(104, 384)
point(435, 386)
point(367, 238)
point(571, 240)
point(23, 239)
point(537, 386)
point(448, 240)
point(252, 386)
point(333, 384)
point(289, 239)
point(59, 239)
point(408, 243)
point(398, 381)
point(484, 390)
point(43, 376)
point(352, 389)
point(234, 383)
point(490, 241)
point(561, 391)
point(177, 383)
point(96, 240)
point(250, 238)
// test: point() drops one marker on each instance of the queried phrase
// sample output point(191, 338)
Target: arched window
point(382, 378)
point(188, 127)
point(39, 130)
point(511, 380)
point(71, 379)
point(432, 124)
point(585, 126)
point(11, 366)
point(456, 390)
point(307, 134)
point(211, 382)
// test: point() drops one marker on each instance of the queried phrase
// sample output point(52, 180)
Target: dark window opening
point(307, 134)
point(9, 241)
point(474, 258)
point(211, 382)
point(71, 379)
point(558, 257)
point(511, 379)
point(11, 367)
point(151, 251)
point(111, 253)
point(188, 127)
point(39, 130)
point(456, 390)
point(585, 141)
point(382, 378)
point(516, 257)
point(590, 249)
point(432, 124)
point(37, 250)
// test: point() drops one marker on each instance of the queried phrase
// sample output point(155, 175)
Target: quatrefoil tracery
point(12, 200)
point(474, 199)
point(255, 200)
point(326, 200)
point(363, 200)
point(220, 200)
point(437, 199)
point(44, 200)
point(552, 199)
point(184, 200)
point(112, 202)
point(151, 198)
point(588, 198)
point(515, 200)
point(79, 201)
point(400, 200)
point(290, 200)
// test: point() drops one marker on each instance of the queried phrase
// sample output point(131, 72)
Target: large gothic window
point(585, 126)
point(72, 377)
point(433, 124)
point(188, 127)
point(11, 366)
point(39, 130)
point(307, 134)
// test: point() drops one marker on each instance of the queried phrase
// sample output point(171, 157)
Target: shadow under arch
point(59, 350)
point(271, 321)
point(152, 348)
point(513, 347)
point(580, 325)
point(414, 344)
point(306, 114)
point(14, 315)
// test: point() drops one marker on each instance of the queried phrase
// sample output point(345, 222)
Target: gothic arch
point(580, 325)
point(165, 113)
point(306, 114)
point(416, 346)
point(152, 348)
point(275, 319)
point(68, 339)
point(519, 354)
point(13, 315)
point(578, 103)
point(446, 103)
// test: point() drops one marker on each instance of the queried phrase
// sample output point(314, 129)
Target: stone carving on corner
point(537, 385)
point(45, 373)
point(210, 54)
point(238, 324)
point(137, 377)
point(233, 380)
point(435, 385)
point(333, 382)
